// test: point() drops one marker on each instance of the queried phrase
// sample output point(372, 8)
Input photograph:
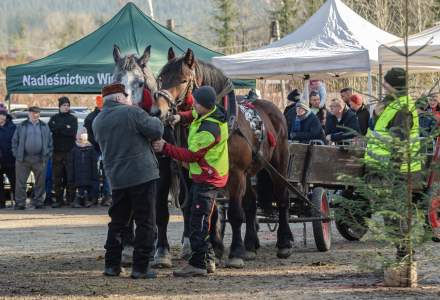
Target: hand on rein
point(158, 145)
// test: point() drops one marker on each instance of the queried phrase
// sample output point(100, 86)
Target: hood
point(219, 114)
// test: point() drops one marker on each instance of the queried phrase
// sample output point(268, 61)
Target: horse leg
point(162, 257)
point(284, 234)
point(251, 241)
point(215, 233)
point(184, 200)
point(237, 185)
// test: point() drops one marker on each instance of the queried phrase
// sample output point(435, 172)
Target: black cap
point(63, 100)
point(34, 109)
point(396, 78)
point(205, 96)
point(294, 96)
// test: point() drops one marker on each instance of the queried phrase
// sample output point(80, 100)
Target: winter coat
point(363, 116)
point(339, 130)
point(6, 134)
point(290, 115)
point(19, 140)
point(88, 126)
point(83, 166)
point(310, 129)
point(64, 127)
point(124, 134)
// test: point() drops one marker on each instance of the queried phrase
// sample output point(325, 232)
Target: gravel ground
point(58, 254)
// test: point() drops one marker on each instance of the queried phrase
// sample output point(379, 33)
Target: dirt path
point(58, 254)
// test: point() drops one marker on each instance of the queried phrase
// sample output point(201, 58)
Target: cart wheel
point(321, 229)
point(350, 226)
point(348, 232)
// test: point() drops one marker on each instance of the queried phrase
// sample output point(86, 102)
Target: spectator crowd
point(65, 163)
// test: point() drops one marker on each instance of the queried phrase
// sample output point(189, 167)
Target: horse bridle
point(174, 103)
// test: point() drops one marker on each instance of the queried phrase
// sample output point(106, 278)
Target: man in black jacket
point(106, 199)
point(64, 126)
point(341, 122)
point(124, 133)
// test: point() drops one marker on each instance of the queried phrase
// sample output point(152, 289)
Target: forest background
point(31, 29)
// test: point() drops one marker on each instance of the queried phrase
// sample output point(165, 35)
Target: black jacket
point(363, 116)
point(83, 166)
point(88, 126)
point(311, 129)
point(336, 128)
point(6, 134)
point(64, 127)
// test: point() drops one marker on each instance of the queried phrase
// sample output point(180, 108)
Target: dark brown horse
point(178, 78)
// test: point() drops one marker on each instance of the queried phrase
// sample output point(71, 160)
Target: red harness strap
point(147, 100)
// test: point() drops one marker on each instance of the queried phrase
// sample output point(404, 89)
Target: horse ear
point(116, 53)
point(189, 58)
point(143, 60)
point(171, 54)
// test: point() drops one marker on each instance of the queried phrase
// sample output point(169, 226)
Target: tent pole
point(370, 87)
point(380, 82)
point(283, 93)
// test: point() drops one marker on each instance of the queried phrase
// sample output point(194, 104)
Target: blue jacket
point(6, 134)
point(83, 166)
point(340, 130)
point(310, 129)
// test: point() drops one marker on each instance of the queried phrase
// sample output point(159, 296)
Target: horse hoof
point(235, 262)
point(162, 259)
point(284, 253)
point(185, 253)
point(127, 256)
point(250, 255)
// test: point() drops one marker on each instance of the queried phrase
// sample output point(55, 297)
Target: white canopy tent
point(425, 60)
point(334, 42)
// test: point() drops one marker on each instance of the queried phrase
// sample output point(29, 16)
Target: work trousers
point(138, 201)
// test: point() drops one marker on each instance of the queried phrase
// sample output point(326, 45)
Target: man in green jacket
point(207, 155)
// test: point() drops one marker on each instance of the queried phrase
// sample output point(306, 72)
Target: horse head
point(177, 80)
point(136, 75)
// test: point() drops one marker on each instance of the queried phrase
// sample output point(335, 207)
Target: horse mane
point(211, 75)
point(206, 73)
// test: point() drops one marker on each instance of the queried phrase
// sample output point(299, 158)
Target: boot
point(113, 271)
point(89, 202)
point(2, 203)
point(190, 271)
point(139, 273)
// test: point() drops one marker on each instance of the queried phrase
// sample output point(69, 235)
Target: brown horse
point(178, 78)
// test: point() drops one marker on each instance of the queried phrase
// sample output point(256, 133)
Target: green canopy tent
point(86, 65)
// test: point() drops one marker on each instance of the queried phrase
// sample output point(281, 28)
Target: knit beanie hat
point(396, 78)
point(99, 101)
point(63, 100)
point(294, 96)
point(205, 96)
point(356, 99)
point(303, 106)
